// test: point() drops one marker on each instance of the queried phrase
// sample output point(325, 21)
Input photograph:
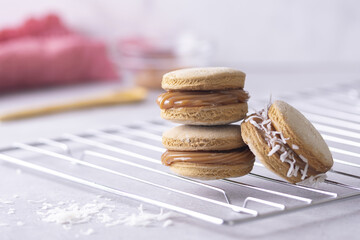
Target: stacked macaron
point(209, 98)
point(204, 96)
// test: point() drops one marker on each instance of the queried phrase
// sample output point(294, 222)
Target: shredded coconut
point(3, 201)
point(46, 206)
point(143, 219)
point(104, 217)
point(20, 223)
point(296, 147)
point(11, 211)
point(277, 143)
point(314, 180)
point(167, 223)
point(36, 201)
point(71, 213)
point(274, 150)
point(87, 232)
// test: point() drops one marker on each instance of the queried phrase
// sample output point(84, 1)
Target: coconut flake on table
point(46, 206)
point(11, 211)
point(87, 232)
point(20, 223)
point(3, 201)
point(167, 223)
point(104, 217)
point(144, 219)
point(73, 213)
point(36, 201)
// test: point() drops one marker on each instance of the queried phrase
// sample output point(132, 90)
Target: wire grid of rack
point(125, 161)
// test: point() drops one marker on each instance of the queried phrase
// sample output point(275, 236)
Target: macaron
point(204, 96)
point(207, 152)
point(287, 143)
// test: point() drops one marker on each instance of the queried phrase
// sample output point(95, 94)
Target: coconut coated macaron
point(207, 152)
point(287, 143)
point(204, 96)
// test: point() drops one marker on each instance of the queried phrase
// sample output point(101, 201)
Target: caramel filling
point(200, 99)
point(232, 157)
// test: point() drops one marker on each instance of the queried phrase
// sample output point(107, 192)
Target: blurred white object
point(147, 59)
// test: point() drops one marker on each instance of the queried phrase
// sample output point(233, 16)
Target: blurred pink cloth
point(45, 52)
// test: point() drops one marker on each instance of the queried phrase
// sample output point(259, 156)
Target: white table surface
point(341, 220)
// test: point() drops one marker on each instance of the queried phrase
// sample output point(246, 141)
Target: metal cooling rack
point(125, 161)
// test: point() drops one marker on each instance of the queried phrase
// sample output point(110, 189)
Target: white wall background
point(322, 34)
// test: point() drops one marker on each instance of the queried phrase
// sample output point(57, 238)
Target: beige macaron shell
point(209, 78)
point(201, 138)
point(301, 133)
point(257, 144)
point(211, 171)
point(209, 115)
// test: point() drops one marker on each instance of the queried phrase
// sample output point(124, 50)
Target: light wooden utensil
point(119, 97)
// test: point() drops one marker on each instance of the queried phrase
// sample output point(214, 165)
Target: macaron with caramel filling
point(204, 96)
point(287, 143)
point(207, 152)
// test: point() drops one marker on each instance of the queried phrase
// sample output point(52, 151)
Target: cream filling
point(277, 143)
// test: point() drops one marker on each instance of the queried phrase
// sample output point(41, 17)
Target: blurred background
point(93, 45)
point(260, 32)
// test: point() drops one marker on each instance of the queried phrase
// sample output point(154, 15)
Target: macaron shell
point(210, 78)
point(259, 147)
point(201, 138)
point(301, 133)
point(209, 115)
point(211, 171)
